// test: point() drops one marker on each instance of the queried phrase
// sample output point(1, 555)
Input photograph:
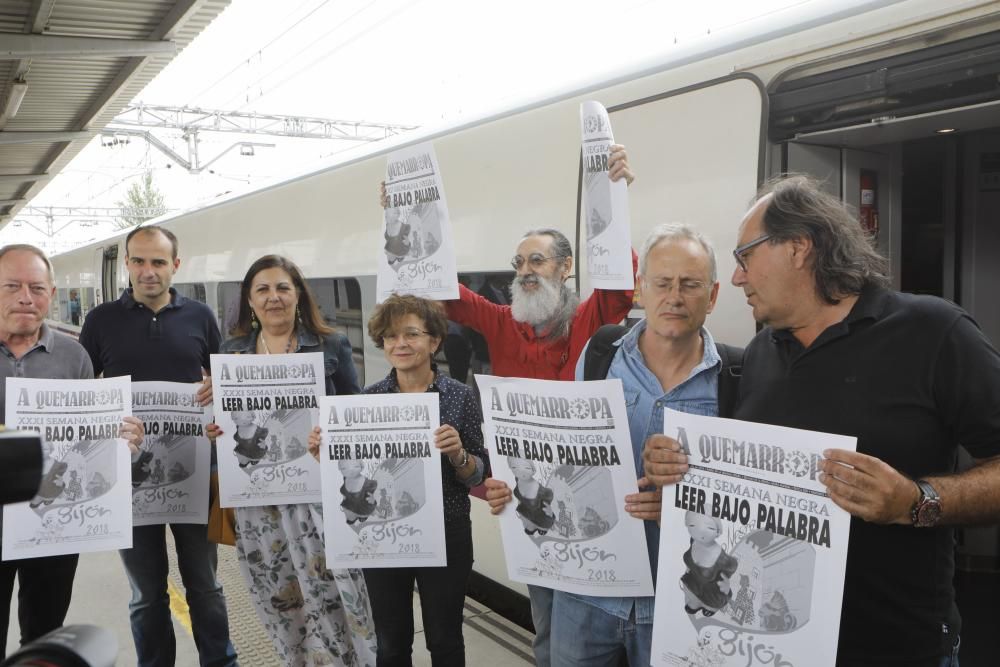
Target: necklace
point(288, 347)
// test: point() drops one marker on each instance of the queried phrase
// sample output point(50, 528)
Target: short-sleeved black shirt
point(124, 337)
point(911, 377)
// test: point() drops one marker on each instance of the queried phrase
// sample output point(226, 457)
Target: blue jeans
point(442, 599)
point(952, 660)
point(585, 636)
point(149, 610)
point(541, 617)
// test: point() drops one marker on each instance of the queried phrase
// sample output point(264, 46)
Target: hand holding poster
point(418, 256)
point(266, 405)
point(170, 474)
point(83, 502)
point(751, 570)
point(564, 449)
point(609, 235)
point(382, 497)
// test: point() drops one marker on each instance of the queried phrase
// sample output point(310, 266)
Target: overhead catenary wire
point(240, 64)
point(323, 36)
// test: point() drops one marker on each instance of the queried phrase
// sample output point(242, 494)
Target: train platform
point(101, 594)
point(101, 597)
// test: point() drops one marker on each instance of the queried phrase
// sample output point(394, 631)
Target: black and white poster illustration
point(382, 498)
point(752, 550)
point(266, 404)
point(170, 474)
point(84, 502)
point(416, 255)
point(565, 451)
point(605, 204)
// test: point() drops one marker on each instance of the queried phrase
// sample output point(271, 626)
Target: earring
point(254, 324)
point(298, 315)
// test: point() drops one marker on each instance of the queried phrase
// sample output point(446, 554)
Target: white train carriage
point(859, 93)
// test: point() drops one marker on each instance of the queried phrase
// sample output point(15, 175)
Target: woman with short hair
point(410, 330)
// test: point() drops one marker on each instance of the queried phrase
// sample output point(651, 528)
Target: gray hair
point(675, 231)
point(38, 252)
point(561, 247)
point(844, 257)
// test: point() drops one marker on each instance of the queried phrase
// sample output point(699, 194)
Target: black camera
point(69, 646)
point(21, 457)
point(21, 460)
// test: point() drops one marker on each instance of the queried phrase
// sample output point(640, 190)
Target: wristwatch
point(927, 511)
point(463, 462)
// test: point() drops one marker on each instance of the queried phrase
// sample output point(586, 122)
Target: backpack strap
point(601, 350)
point(729, 378)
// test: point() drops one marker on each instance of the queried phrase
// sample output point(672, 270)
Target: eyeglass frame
point(535, 258)
point(410, 335)
point(692, 289)
point(739, 251)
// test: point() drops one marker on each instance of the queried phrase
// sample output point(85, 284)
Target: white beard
point(550, 308)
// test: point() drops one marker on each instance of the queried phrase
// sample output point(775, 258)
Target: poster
point(564, 449)
point(170, 474)
point(751, 571)
point(605, 205)
point(84, 502)
point(382, 498)
point(266, 404)
point(417, 255)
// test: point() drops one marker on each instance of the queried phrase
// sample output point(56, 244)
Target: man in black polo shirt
point(153, 333)
point(911, 377)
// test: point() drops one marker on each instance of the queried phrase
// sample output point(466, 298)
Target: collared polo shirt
point(124, 337)
point(645, 401)
point(55, 356)
point(911, 377)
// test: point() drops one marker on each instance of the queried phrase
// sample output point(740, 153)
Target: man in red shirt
point(541, 335)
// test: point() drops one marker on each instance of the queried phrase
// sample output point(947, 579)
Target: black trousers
point(45, 586)
point(442, 599)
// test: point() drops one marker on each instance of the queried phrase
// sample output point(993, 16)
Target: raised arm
point(476, 312)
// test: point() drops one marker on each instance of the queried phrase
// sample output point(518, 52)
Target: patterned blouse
point(460, 409)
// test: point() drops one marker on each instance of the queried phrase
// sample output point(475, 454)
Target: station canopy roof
point(68, 67)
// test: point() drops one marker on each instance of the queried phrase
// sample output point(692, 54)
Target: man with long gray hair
point(910, 376)
point(541, 335)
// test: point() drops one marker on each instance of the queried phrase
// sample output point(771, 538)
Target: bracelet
point(465, 460)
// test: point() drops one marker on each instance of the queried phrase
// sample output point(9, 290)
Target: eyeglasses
point(740, 254)
point(535, 261)
point(686, 288)
point(408, 335)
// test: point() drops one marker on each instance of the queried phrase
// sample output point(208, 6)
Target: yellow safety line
point(179, 606)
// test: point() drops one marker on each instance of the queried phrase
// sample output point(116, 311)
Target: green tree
point(142, 202)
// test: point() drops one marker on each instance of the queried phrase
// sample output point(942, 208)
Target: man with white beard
point(541, 335)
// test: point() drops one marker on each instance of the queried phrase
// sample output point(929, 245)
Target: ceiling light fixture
point(14, 98)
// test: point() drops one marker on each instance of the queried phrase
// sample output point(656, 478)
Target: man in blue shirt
point(153, 333)
point(668, 359)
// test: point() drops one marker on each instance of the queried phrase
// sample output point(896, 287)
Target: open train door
point(698, 158)
point(861, 177)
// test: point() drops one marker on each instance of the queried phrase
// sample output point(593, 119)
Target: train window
point(464, 351)
point(228, 304)
point(87, 301)
point(195, 291)
point(59, 307)
point(339, 299)
point(72, 304)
